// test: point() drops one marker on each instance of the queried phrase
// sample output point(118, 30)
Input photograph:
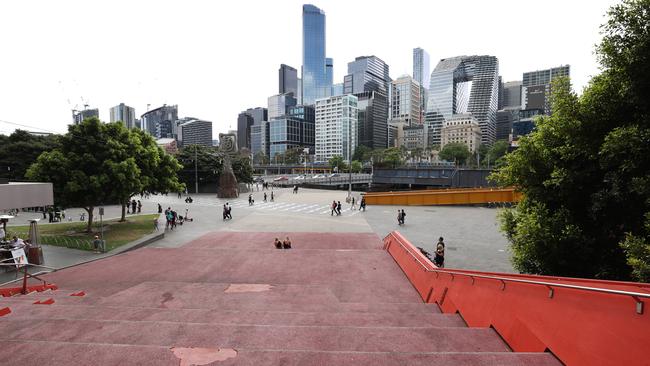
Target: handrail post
point(24, 290)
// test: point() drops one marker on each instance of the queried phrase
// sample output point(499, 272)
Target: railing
point(550, 285)
point(581, 321)
point(342, 179)
point(24, 267)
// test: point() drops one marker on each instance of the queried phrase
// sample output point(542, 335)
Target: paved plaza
point(471, 233)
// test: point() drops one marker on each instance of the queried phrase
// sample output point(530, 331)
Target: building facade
point(244, 123)
point(461, 128)
point(278, 105)
point(161, 122)
point(257, 133)
point(421, 66)
point(405, 101)
point(413, 137)
point(79, 116)
point(459, 85)
point(336, 127)
point(194, 131)
point(123, 113)
point(314, 73)
point(288, 80)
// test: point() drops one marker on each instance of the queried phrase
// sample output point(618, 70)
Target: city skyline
point(79, 71)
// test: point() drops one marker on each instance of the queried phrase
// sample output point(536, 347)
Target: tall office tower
point(299, 95)
point(314, 67)
point(463, 84)
point(368, 79)
point(79, 116)
point(288, 80)
point(337, 89)
point(405, 101)
point(194, 131)
point(244, 123)
point(336, 127)
point(511, 94)
point(296, 129)
point(161, 122)
point(278, 105)
point(252, 128)
point(421, 66)
point(536, 87)
point(421, 73)
point(125, 114)
point(329, 71)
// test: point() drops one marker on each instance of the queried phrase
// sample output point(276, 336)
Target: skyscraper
point(421, 66)
point(161, 122)
point(244, 123)
point(405, 101)
point(511, 94)
point(464, 84)
point(536, 87)
point(123, 113)
point(336, 127)
point(369, 81)
point(252, 127)
point(279, 103)
point(314, 67)
point(288, 80)
point(194, 131)
point(329, 71)
point(79, 116)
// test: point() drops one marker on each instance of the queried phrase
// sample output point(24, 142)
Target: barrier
point(581, 321)
point(444, 197)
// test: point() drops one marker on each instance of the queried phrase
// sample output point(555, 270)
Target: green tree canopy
point(20, 149)
point(362, 153)
point(495, 153)
point(585, 172)
point(455, 151)
point(356, 166)
point(209, 166)
point(338, 163)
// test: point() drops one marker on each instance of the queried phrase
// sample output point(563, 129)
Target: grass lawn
point(74, 235)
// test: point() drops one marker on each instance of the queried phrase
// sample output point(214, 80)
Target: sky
point(216, 58)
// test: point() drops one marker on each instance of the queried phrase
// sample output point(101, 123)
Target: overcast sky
point(216, 58)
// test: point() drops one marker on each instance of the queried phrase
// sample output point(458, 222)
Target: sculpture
point(227, 180)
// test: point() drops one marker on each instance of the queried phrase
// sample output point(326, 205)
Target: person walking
point(403, 217)
point(399, 217)
point(139, 206)
point(133, 206)
point(333, 208)
point(362, 205)
point(439, 259)
point(271, 196)
point(229, 211)
point(338, 208)
point(264, 196)
point(155, 224)
point(159, 208)
point(354, 204)
point(250, 200)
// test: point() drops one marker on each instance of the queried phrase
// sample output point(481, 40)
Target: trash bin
point(35, 255)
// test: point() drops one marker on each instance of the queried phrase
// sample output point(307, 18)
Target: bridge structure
point(341, 180)
point(467, 196)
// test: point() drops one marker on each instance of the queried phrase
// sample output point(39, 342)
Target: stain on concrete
point(202, 356)
point(247, 287)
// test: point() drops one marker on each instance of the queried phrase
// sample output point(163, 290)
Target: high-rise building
point(278, 105)
point(405, 101)
point(337, 89)
point(79, 116)
point(536, 87)
point(253, 128)
point(314, 66)
point(244, 123)
point(123, 113)
point(161, 122)
point(336, 127)
point(461, 128)
point(509, 108)
point(511, 95)
point(421, 66)
point(329, 71)
point(194, 131)
point(288, 80)
point(463, 84)
point(369, 81)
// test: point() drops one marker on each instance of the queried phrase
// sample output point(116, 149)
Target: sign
point(19, 257)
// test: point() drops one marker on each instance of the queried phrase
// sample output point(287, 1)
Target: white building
point(193, 131)
point(463, 128)
point(405, 101)
point(336, 127)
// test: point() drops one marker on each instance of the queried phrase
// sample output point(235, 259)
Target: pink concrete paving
point(233, 299)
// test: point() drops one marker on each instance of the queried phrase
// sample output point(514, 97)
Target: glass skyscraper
point(421, 66)
point(315, 82)
point(464, 84)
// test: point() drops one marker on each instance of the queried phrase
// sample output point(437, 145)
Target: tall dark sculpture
point(227, 180)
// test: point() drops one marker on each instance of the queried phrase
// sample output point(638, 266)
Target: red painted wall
point(579, 327)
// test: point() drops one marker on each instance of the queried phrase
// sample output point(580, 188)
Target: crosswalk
point(285, 207)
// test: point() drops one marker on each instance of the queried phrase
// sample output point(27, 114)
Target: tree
point(455, 151)
point(260, 158)
point(241, 166)
point(494, 154)
point(79, 169)
point(356, 166)
point(337, 162)
point(585, 172)
point(19, 150)
point(393, 157)
point(362, 153)
point(209, 164)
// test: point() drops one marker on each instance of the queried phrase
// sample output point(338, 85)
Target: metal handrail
point(550, 285)
point(24, 267)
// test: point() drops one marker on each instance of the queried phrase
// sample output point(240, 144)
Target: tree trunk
point(90, 211)
point(123, 218)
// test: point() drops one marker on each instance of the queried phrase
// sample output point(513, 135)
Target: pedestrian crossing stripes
point(268, 206)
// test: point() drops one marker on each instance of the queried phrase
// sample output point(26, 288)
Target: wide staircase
point(233, 299)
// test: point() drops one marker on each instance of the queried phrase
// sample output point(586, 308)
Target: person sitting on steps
point(277, 243)
point(287, 243)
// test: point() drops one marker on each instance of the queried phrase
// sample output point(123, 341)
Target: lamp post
point(196, 170)
point(350, 157)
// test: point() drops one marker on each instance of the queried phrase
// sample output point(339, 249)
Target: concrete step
point(28, 353)
point(264, 240)
point(22, 312)
point(260, 337)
